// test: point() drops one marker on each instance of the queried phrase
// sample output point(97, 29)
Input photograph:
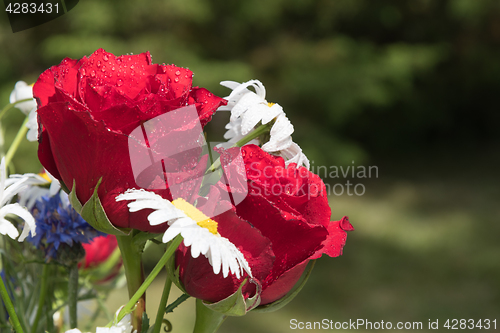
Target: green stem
point(73, 295)
point(140, 291)
point(163, 305)
point(10, 106)
point(17, 141)
point(134, 272)
point(207, 320)
point(255, 134)
point(43, 295)
point(10, 307)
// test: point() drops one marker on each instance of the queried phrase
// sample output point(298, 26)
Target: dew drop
point(113, 68)
point(131, 66)
point(92, 73)
point(119, 82)
point(103, 69)
point(99, 63)
point(176, 79)
point(178, 72)
point(105, 57)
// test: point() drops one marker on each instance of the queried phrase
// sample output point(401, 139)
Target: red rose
point(88, 107)
point(287, 208)
point(98, 251)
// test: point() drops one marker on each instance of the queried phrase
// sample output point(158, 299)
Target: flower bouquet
point(127, 165)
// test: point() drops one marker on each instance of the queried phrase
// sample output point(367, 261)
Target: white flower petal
point(170, 234)
point(32, 126)
point(163, 215)
point(246, 103)
point(23, 91)
point(29, 221)
point(214, 257)
point(252, 118)
point(272, 112)
point(293, 154)
point(277, 146)
point(6, 228)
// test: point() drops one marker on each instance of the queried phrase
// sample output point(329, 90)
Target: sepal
point(235, 304)
point(93, 212)
point(173, 273)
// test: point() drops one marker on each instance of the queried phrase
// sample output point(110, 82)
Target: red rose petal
point(337, 236)
point(293, 241)
point(282, 286)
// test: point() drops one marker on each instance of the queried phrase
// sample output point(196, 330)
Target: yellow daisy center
point(201, 219)
point(45, 176)
point(270, 104)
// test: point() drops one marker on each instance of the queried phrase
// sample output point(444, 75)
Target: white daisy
point(248, 108)
point(8, 189)
point(23, 91)
point(197, 229)
point(31, 187)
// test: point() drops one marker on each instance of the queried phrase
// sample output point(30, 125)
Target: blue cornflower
point(57, 223)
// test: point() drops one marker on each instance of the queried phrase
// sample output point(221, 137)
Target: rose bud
point(101, 260)
point(98, 251)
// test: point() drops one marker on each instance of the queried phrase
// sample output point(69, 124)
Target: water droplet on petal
point(176, 79)
point(99, 63)
point(178, 72)
point(105, 57)
point(92, 73)
point(119, 82)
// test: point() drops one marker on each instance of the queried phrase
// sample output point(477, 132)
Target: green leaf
point(145, 323)
point(276, 305)
point(93, 212)
point(176, 303)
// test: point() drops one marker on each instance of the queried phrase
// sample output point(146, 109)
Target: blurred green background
point(409, 86)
